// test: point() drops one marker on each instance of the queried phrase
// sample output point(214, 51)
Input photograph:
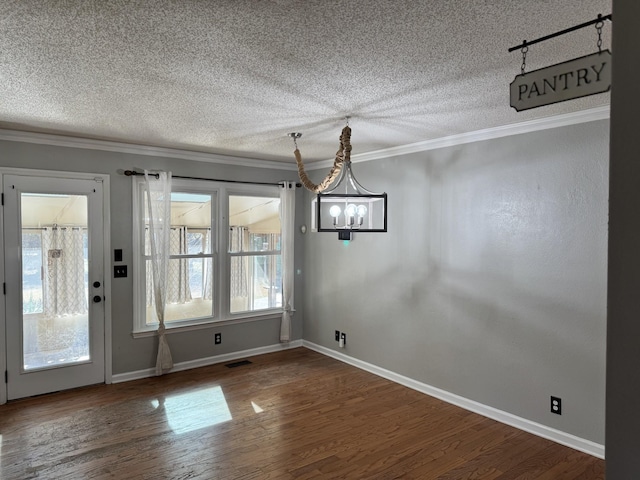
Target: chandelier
point(347, 207)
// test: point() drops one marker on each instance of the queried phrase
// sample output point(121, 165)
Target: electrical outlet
point(343, 339)
point(337, 335)
point(217, 338)
point(556, 405)
point(119, 271)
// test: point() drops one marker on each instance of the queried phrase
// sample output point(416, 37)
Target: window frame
point(247, 253)
point(220, 255)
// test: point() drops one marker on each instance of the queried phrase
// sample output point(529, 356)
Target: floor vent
point(238, 364)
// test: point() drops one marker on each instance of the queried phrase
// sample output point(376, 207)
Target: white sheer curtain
point(287, 218)
point(64, 271)
point(159, 214)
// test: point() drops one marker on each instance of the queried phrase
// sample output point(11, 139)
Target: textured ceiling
point(234, 77)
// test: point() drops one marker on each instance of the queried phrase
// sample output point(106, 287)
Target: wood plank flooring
point(294, 414)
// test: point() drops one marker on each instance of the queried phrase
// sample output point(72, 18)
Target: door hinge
point(4, 288)
point(2, 197)
point(6, 376)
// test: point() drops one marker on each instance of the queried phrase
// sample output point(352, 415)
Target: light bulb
point(335, 211)
point(350, 211)
point(362, 210)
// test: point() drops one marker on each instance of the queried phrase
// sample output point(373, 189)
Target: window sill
point(152, 332)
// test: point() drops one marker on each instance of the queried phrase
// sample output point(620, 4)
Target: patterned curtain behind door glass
point(64, 283)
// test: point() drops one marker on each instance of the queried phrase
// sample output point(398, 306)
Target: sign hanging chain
point(525, 49)
point(599, 26)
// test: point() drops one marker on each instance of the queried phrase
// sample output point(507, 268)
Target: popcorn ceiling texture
point(234, 77)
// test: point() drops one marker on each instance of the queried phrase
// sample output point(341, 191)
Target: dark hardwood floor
point(294, 414)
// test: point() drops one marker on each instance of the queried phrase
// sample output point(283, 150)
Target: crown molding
point(556, 121)
point(110, 146)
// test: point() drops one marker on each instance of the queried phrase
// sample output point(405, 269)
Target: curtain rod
point(562, 32)
point(132, 173)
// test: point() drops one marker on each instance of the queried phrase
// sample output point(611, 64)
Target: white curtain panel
point(159, 214)
point(287, 218)
point(64, 275)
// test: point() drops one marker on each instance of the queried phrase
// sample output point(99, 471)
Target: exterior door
point(54, 271)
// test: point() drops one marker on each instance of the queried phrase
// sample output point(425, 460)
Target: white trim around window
point(260, 215)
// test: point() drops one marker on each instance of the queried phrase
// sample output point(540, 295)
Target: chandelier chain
point(343, 155)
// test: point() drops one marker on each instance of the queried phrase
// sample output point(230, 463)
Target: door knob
point(97, 299)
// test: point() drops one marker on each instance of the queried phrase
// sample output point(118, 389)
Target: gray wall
point(491, 282)
point(131, 354)
point(623, 325)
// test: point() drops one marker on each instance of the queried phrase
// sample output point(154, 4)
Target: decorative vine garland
point(342, 155)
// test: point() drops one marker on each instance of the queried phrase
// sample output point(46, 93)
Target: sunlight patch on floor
point(194, 410)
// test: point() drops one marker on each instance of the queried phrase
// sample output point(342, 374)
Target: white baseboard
point(538, 429)
point(203, 362)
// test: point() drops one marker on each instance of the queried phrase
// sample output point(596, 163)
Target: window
point(254, 253)
point(191, 261)
point(204, 285)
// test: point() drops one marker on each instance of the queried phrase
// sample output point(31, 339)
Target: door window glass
point(54, 280)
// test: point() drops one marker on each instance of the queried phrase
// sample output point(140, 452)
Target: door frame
point(105, 178)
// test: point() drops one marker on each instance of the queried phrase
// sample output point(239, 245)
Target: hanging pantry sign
point(575, 78)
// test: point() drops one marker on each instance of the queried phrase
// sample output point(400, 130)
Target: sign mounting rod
point(562, 32)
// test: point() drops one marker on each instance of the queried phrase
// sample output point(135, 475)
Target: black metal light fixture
point(347, 207)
